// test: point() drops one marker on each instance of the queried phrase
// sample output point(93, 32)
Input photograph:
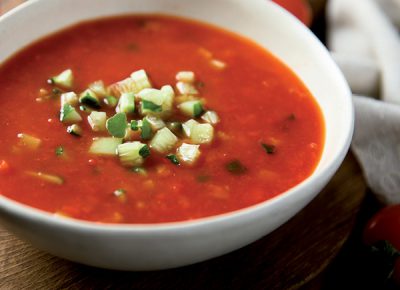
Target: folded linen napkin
point(364, 40)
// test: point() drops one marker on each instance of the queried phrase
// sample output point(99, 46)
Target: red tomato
point(299, 8)
point(385, 226)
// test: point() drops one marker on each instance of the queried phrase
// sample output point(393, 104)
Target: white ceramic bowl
point(161, 246)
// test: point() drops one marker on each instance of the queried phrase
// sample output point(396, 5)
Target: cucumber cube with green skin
point(156, 102)
point(188, 153)
point(110, 101)
point(185, 88)
point(106, 146)
point(126, 103)
point(64, 79)
point(132, 153)
point(68, 115)
point(89, 97)
point(191, 108)
point(163, 141)
point(97, 120)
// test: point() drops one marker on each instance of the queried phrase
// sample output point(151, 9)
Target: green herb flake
point(270, 149)
point(116, 125)
point(197, 109)
point(139, 170)
point(146, 133)
point(203, 178)
point(292, 117)
point(144, 151)
point(134, 125)
point(147, 105)
point(59, 151)
point(119, 192)
point(173, 159)
point(236, 167)
point(132, 47)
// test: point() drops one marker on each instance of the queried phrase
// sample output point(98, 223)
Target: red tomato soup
point(262, 134)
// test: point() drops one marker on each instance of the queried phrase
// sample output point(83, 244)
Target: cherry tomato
point(385, 226)
point(299, 8)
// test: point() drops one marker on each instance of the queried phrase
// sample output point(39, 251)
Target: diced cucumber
point(117, 124)
point(75, 130)
point(163, 141)
point(126, 103)
point(28, 141)
point(156, 102)
point(188, 153)
point(68, 115)
point(155, 122)
point(105, 146)
point(146, 131)
point(46, 177)
point(185, 76)
point(64, 79)
point(185, 88)
point(202, 133)
point(132, 153)
point(98, 88)
point(210, 117)
point(191, 108)
point(136, 124)
point(110, 101)
point(188, 127)
point(69, 98)
point(89, 98)
point(141, 80)
point(97, 120)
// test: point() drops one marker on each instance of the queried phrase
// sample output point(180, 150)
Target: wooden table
point(289, 258)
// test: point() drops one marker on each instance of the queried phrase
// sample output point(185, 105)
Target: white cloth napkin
point(364, 39)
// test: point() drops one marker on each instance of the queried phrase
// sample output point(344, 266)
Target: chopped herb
point(173, 159)
point(197, 110)
point(134, 125)
point(116, 125)
point(203, 178)
point(148, 105)
point(144, 151)
point(132, 47)
point(200, 84)
point(270, 149)
point(139, 170)
point(146, 130)
point(59, 151)
point(236, 167)
point(292, 117)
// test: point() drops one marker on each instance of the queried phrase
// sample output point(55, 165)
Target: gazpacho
point(150, 119)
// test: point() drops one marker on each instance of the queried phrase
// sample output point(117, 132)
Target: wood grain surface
point(286, 259)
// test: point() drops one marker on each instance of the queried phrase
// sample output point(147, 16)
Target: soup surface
point(269, 136)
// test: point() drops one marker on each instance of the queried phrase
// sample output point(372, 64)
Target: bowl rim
point(38, 215)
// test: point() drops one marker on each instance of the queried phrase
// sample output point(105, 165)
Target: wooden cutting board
point(286, 259)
